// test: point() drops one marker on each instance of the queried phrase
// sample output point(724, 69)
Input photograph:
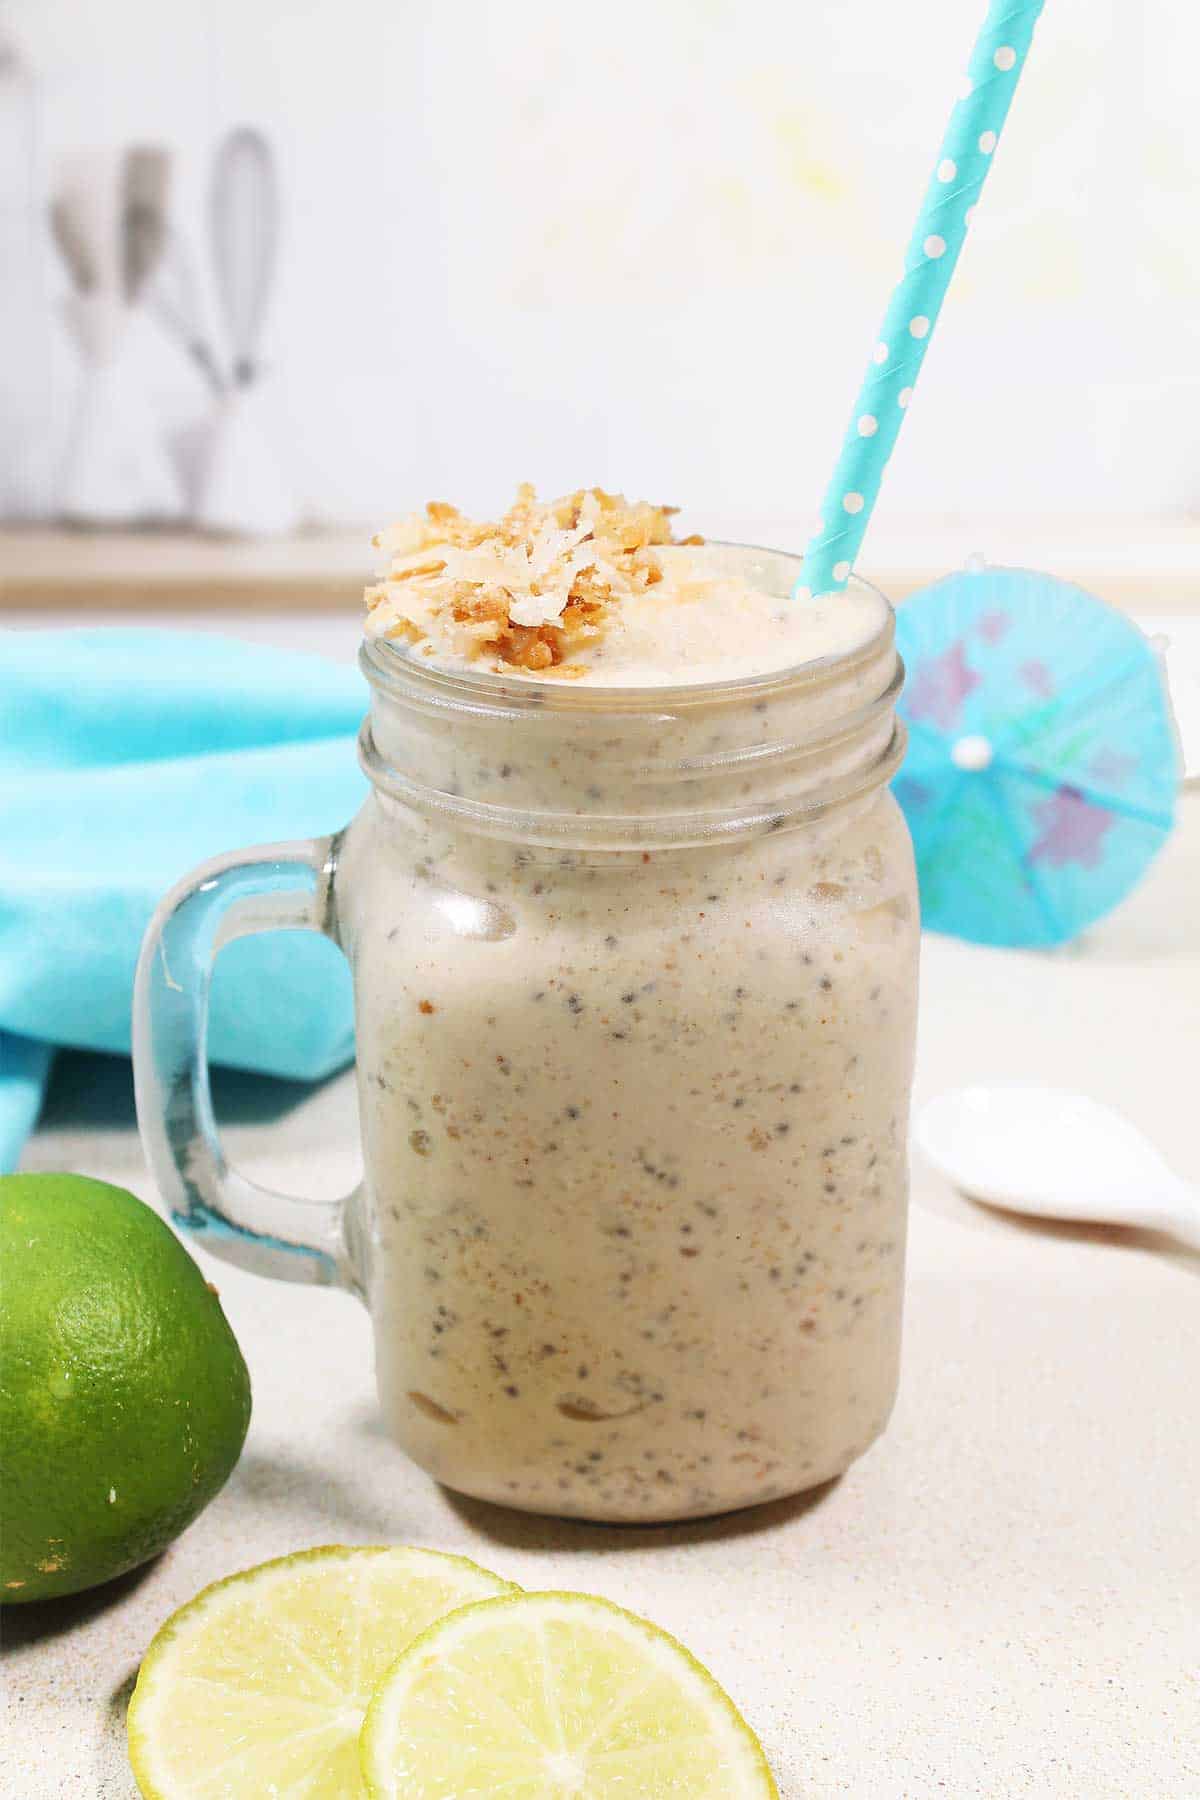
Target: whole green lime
point(124, 1399)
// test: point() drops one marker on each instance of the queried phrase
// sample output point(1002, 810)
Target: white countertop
point(1002, 1598)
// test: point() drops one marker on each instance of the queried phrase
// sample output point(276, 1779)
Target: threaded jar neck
point(589, 766)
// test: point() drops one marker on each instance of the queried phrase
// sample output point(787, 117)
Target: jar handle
point(270, 888)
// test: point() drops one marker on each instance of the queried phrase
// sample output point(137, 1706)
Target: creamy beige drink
point(634, 934)
point(590, 589)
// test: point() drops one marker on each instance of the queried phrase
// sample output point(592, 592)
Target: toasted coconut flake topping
point(526, 591)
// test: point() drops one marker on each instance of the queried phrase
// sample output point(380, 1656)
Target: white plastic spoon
point(1056, 1155)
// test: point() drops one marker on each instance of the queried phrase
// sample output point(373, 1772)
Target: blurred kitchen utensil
point(243, 488)
point(245, 235)
point(26, 433)
point(107, 217)
point(73, 244)
point(174, 299)
point(144, 216)
point(1057, 1156)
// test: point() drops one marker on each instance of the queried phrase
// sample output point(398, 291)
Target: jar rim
point(389, 669)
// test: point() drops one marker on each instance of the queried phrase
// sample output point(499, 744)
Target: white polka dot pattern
point(963, 161)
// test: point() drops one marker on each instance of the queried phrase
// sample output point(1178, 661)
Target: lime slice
point(258, 1686)
point(537, 1696)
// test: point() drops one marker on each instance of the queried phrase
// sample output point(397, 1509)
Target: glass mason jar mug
point(635, 981)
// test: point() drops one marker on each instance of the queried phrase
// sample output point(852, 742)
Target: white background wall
point(647, 243)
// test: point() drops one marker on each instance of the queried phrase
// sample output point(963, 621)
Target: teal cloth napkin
point(126, 756)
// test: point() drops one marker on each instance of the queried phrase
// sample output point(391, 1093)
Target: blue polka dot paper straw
point(954, 188)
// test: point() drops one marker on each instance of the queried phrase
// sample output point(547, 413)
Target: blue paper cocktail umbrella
point(1043, 763)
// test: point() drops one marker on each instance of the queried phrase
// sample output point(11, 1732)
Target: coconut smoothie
point(634, 930)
